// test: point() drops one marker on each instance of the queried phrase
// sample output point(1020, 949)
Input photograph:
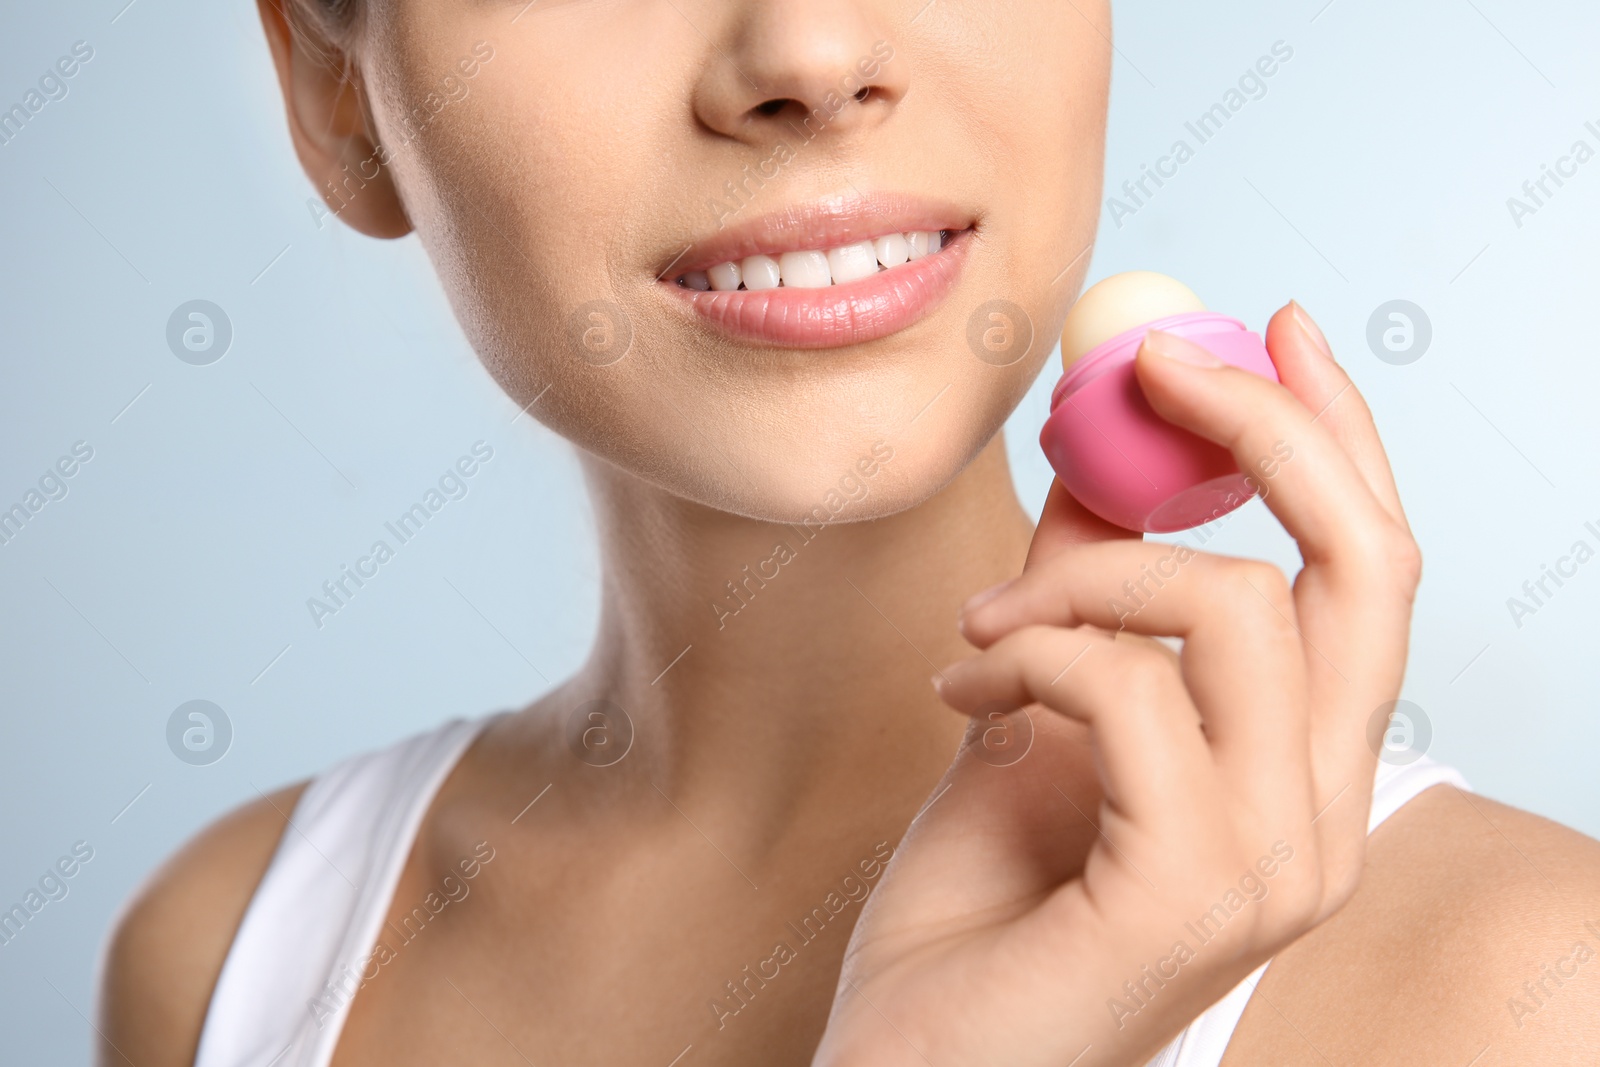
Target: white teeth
point(760, 272)
point(891, 249)
point(850, 262)
point(922, 243)
point(724, 276)
point(816, 269)
point(805, 270)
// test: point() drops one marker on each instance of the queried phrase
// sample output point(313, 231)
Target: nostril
point(780, 104)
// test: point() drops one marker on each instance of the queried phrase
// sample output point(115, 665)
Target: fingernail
point(980, 599)
point(938, 684)
point(1305, 323)
point(1173, 347)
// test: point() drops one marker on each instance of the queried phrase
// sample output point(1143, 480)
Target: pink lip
point(838, 315)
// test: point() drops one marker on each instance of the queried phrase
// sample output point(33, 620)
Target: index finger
point(1306, 367)
point(1307, 480)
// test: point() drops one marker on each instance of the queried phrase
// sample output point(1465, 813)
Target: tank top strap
point(1397, 783)
point(297, 959)
point(1203, 1042)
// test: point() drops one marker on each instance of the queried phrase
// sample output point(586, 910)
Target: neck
point(777, 660)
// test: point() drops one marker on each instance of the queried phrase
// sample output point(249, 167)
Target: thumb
point(1065, 522)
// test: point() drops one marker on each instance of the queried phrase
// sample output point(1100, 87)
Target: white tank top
point(308, 935)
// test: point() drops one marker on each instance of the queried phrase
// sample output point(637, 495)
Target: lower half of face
point(737, 250)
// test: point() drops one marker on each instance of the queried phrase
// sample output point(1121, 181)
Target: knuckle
point(1391, 556)
point(1030, 642)
point(1298, 904)
point(1034, 652)
point(1304, 896)
point(1260, 589)
point(1341, 879)
point(1270, 582)
point(1144, 673)
point(1405, 562)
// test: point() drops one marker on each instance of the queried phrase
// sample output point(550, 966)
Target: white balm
point(1119, 303)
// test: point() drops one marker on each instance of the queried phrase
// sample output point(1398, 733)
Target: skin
point(799, 739)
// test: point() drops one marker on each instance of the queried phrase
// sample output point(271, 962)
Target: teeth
point(805, 270)
point(852, 261)
point(813, 269)
point(922, 243)
point(760, 272)
point(892, 250)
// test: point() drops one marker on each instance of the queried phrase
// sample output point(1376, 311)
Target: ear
point(331, 128)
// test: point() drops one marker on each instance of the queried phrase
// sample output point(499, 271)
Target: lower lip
point(839, 315)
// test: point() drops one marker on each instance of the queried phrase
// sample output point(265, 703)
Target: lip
point(838, 315)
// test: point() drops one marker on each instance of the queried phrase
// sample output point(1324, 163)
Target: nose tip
point(809, 67)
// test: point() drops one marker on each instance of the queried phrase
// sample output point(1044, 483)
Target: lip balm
point(1110, 449)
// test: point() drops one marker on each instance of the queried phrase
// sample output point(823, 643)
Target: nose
point(802, 68)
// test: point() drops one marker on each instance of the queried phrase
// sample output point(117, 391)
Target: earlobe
point(330, 126)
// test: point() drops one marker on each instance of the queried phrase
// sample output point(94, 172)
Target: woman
point(795, 461)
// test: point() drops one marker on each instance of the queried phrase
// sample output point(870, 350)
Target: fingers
point(1354, 595)
point(1307, 369)
point(1153, 588)
point(1152, 753)
point(1242, 659)
point(1065, 522)
point(1309, 482)
point(1344, 761)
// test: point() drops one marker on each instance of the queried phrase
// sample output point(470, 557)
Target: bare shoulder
point(169, 943)
point(1474, 938)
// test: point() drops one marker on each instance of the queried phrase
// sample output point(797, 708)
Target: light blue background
point(1377, 166)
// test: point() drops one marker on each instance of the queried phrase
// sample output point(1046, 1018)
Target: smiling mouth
point(817, 268)
point(828, 274)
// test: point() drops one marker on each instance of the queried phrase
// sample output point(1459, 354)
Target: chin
point(762, 431)
point(836, 473)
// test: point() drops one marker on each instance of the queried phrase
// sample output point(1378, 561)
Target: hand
point(1228, 785)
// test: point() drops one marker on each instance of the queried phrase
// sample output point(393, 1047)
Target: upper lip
point(821, 225)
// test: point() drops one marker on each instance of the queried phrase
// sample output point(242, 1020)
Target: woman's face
point(572, 168)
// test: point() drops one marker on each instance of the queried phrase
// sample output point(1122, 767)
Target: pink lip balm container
point(1124, 462)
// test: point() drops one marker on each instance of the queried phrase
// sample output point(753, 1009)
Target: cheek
point(1030, 93)
point(549, 148)
point(534, 193)
point(524, 191)
point(1054, 130)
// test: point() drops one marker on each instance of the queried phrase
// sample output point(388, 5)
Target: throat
point(791, 671)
